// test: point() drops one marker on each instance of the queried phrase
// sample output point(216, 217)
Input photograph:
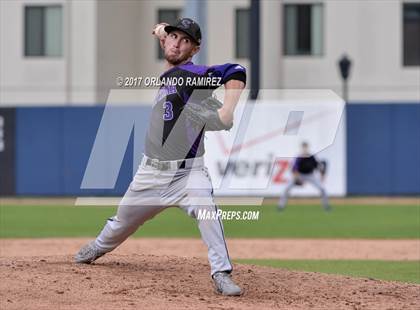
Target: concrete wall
point(48, 80)
point(221, 32)
point(82, 53)
point(105, 39)
point(370, 32)
point(126, 46)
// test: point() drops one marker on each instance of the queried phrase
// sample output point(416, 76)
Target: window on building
point(303, 29)
point(44, 31)
point(166, 16)
point(242, 22)
point(411, 34)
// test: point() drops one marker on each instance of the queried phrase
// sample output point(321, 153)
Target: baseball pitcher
point(172, 170)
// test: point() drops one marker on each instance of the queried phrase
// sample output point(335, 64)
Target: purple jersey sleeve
point(228, 72)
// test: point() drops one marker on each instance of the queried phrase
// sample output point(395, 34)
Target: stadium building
point(59, 58)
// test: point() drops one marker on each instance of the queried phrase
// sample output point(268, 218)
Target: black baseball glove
point(298, 182)
point(204, 114)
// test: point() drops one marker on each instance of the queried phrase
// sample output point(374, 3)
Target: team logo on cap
point(186, 23)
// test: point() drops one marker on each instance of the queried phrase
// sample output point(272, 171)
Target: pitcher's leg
point(130, 216)
point(198, 198)
point(198, 201)
point(212, 233)
point(119, 227)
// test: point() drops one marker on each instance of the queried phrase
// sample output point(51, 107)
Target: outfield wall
point(383, 149)
point(45, 150)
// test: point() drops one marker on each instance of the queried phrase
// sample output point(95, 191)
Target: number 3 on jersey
point(168, 113)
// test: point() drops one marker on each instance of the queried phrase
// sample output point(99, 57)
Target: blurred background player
point(304, 170)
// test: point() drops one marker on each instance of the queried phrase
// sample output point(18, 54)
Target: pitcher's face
point(179, 48)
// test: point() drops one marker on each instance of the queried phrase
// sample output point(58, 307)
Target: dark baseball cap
point(188, 26)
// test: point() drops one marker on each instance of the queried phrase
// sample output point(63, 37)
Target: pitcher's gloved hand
point(205, 114)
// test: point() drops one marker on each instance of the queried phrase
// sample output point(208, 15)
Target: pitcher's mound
point(170, 282)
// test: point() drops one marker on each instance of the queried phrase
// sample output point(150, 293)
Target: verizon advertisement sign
point(256, 156)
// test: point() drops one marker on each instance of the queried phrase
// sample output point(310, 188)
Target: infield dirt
point(133, 281)
point(363, 249)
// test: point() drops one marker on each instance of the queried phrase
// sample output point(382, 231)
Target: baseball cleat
point(88, 254)
point(225, 285)
point(327, 208)
point(280, 208)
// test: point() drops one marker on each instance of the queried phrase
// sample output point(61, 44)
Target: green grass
point(381, 222)
point(405, 271)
